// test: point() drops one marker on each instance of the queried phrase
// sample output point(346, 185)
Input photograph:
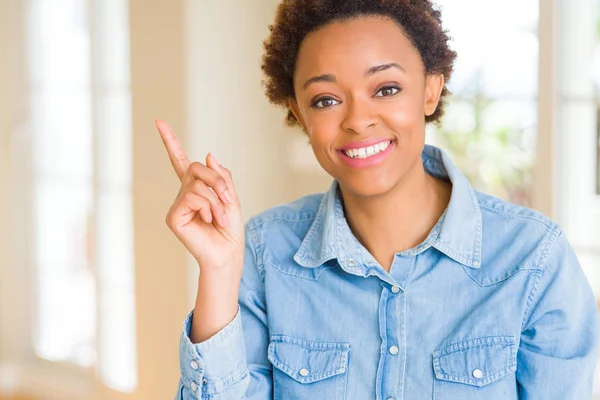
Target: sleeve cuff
point(215, 364)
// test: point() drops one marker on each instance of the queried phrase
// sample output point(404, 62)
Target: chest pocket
point(481, 368)
point(308, 369)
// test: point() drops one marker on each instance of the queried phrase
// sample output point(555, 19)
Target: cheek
point(322, 124)
point(405, 115)
point(322, 130)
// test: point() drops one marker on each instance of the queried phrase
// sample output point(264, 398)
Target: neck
point(400, 219)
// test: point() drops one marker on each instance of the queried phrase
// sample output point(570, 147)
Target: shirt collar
point(457, 233)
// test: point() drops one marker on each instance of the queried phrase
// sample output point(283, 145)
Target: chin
point(367, 186)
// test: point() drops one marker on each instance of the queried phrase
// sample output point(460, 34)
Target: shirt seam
point(539, 220)
point(534, 293)
point(258, 223)
point(257, 251)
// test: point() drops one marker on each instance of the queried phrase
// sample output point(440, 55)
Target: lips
point(361, 157)
point(364, 143)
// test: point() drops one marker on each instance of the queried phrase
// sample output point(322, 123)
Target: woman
point(400, 282)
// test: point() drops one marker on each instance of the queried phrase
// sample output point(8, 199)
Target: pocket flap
point(308, 361)
point(477, 361)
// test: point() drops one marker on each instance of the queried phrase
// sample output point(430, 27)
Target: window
point(491, 120)
point(82, 218)
point(62, 191)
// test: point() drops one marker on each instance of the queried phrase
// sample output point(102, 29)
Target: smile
point(367, 156)
point(366, 152)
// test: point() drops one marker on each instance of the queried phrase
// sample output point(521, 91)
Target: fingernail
point(214, 159)
point(227, 196)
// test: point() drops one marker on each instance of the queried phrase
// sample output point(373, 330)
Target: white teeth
point(366, 152)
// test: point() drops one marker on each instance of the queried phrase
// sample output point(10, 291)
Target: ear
point(293, 104)
point(434, 84)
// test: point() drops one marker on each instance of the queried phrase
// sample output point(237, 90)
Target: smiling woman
point(401, 281)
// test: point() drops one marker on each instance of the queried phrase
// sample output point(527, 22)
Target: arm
point(561, 331)
point(232, 364)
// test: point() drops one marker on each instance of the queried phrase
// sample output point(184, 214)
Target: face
point(362, 96)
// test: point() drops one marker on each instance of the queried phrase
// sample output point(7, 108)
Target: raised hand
point(206, 215)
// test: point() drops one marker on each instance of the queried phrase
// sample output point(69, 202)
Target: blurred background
point(94, 287)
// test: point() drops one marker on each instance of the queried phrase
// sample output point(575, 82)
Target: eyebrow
point(371, 71)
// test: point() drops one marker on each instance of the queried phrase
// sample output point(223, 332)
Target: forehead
point(358, 42)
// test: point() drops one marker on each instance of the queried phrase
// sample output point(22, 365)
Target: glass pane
point(59, 54)
point(62, 139)
point(491, 119)
point(66, 290)
point(59, 47)
point(502, 58)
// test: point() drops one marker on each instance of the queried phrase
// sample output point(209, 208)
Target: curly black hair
point(420, 19)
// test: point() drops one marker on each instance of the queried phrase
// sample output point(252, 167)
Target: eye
point(387, 91)
point(324, 102)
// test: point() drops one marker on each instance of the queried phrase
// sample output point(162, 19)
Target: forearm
point(216, 301)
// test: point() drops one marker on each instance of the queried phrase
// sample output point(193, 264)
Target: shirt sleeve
point(232, 364)
point(561, 331)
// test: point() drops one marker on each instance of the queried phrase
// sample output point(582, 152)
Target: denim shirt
point(492, 305)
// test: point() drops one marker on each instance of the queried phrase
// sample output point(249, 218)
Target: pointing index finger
point(177, 155)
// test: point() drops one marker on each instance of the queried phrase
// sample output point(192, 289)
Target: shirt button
point(477, 373)
point(194, 365)
point(194, 386)
point(304, 372)
point(395, 289)
point(394, 350)
point(351, 262)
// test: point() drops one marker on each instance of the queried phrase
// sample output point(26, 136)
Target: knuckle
point(195, 169)
point(185, 197)
point(196, 166)
point(190, 198)
point(198, 187)
point(221, 184)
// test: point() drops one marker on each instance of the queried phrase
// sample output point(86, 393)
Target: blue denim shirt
point(492, 305)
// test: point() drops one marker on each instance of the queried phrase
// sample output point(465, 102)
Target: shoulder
point(304, 208)
point(294, 218)
point(499, 209)
point(518, 234)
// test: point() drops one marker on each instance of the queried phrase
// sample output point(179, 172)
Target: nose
point(359, 117)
